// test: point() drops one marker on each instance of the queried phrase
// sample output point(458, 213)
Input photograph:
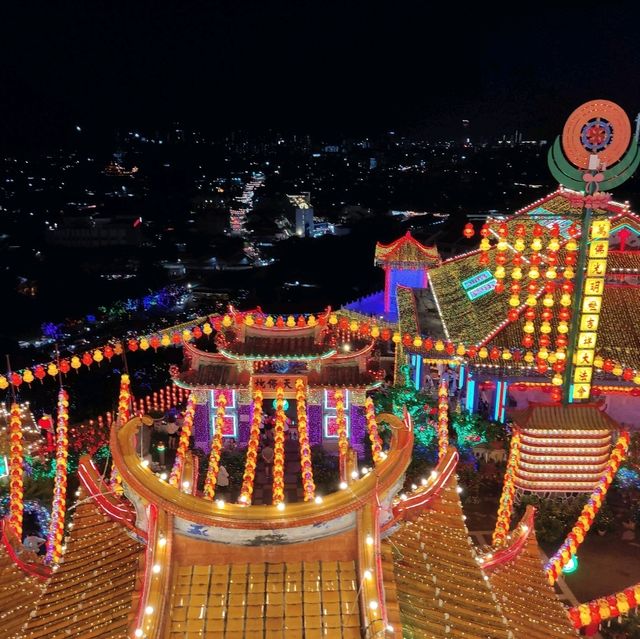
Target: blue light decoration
point(285, 404)
point(470, 399)
point(479, 285)
point(4, 466)
point(32, 507)
point(500, 401)
point(572, 565)
point(462, 376)
point(416, 363)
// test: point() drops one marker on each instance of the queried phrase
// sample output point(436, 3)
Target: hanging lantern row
point(505, 508)
point(578, 533)
point(443, 419)
point(55, 538)
point(308, 485)
point(183, 443)
point(372, 428)
point(341, 425)
point(253, 444)
point(216, 448)
point(16, 471)
point(278, 448)
point(605, 608)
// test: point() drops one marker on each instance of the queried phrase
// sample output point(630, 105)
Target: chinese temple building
point(166, 562)
point(257, 352)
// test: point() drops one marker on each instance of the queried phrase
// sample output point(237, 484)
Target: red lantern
point(546, 315)
point(607, 366)
point(217, 322)
point(155, 342)
point(556, 394)
point(385, 333)
point(499, 287)
point(555, 230)
point(472, 351)
point(87, 360)
point(343, 323)
point(503, 229)
point(544, 340)
point(542, 367)
point(538, 230)
point(469, 231)
point(535, 259)
point(428, 344)
point(530, 314)
point(196, 332)
point(532, 288)
point(175, 338)
point(39, 372)
point(564, 314)
point(520, 230)
point(64, 366)
point(573, 230)
point(16, 379)
point(501, 259)
point(627, 374)
point(484, 259)
point(494, 353)
point(527, 341)
point(108, 351)
point(517, 356)
point(512, 315)
point(570, 259)
point(484, 231)
point(406, 339)
point(449, 348)
point(132, 344)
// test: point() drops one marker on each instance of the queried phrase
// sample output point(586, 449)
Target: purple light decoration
point(244, 425)
point(358, 428)
point(314, 423)
point(201, 428)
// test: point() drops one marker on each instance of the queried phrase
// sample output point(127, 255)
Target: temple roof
point(91, 593)
point(407, 251)
point(18, 596)
point(527, 598)
point(441, 589)
point(278, 346)
point(563, 417)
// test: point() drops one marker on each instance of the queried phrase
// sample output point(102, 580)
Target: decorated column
point(216, 447)
point(16, 471)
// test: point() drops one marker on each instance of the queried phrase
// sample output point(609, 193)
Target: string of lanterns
point(16, 471)
point(341, 426)
point(216, 448)
point(578, 533)
point(603, 608)
point(59, 505)
point(308, 486)
point(252, 450)
point(505, 508)
point(278, 448)
point(183, 443)
point(443, 419)
point(124, 414)
point(372, 429)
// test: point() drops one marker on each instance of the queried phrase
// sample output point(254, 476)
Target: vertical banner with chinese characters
point(590, 308)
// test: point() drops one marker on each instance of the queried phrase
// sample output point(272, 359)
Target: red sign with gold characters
point(268, 384)
point(590, 308)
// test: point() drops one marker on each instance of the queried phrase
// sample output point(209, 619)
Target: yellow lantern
point(617, 370)
point(557, 380)
point(565, 299)
point(483, 353)
point(551, 274)
point(333, 319)
point(569, 273)
point(440, 345)
point(514, 300)
point(249, 321)
point(531, 300)
point(144, 345)
point(484, 244)
point(227, 321)
point(75, 362)
point(207, 329)
point(528, 327)
point(548, 301)
point(312, 321)
point(536, 244)
point(4, 384)
point(52, 369)
point(165, 340)
point(516, 274)
point(528, 357)
point(27, 376)
point(375, 332)
point(291, 321)
point(554, 244)
point(460, 350)
point(500, 272)
point(353, 326)
point(534, 273)
point(502, 245)
point(543, 353)
point(636, 379)
point(560, 355)
point(563, 327)
point(553, 358)
point(269, 322)
point(506, 354)
point(396, 338)
point(417, 341)
point(519, 245)
point(186, 335)
point(545, 328)
point(571, 246)
point(98, 356)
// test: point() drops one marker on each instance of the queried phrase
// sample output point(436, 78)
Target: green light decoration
point(572, 565)
point(285, 405)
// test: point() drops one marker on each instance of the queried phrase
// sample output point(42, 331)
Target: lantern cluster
point(183, 443)
point(308, 486)
point(372, 429)
point(216, 448)
point(253, 444)
point(443, 419)
point(16, 471)
point(278, 447)
point(570, 546)
point(604, 608)
point(505, 508)
point(59, 506)
point(341, 425)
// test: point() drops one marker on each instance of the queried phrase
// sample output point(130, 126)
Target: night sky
point(335, 68)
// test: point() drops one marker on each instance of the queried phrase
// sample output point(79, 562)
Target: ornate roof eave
point(257, 357)
point(418, 255)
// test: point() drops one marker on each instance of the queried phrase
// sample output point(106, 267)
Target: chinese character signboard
point(590, 307)
point(268, 384)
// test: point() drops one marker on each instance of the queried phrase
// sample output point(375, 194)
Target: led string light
point(183, 443)
point(505, 509)
point(308, 485)
point(278, 448)
point(253, 444)
point(216, 447)
point(16, 471)
point(372, 429)
point(443, 419)
point(341, 426)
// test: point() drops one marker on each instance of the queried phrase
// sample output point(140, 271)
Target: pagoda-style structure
point(253, 351)
point(563, 449)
